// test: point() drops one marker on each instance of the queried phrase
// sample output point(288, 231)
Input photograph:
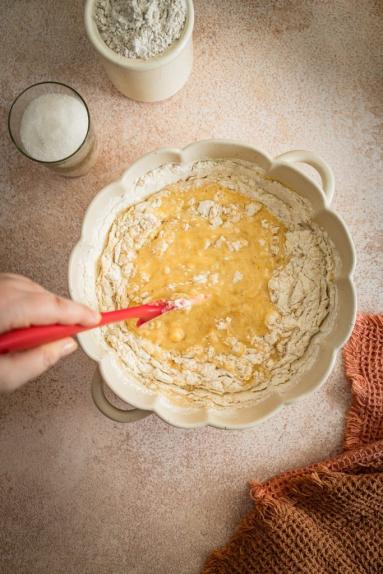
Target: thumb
point(18, 368)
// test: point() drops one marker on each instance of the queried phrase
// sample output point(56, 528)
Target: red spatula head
point(165, 306)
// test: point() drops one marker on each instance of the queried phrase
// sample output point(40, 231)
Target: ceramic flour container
point(149, 80)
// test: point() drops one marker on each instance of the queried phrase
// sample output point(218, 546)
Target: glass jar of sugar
point(49, 123)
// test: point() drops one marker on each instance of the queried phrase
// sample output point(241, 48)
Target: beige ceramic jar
point(146, 80)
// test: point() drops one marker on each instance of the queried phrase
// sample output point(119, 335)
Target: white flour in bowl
point(300, 287)
point(140, 28)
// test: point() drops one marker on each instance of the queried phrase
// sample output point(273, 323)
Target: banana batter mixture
point(226, 231)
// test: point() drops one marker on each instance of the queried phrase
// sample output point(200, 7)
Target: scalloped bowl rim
point(239, 417)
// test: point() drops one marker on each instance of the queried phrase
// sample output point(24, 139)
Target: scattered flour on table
point(140, 28)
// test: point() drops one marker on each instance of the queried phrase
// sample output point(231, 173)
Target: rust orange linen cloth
point(326, 517)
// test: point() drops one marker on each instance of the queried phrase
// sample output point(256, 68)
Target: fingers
point(54, 309)
point(45, 308)
point(17, 369)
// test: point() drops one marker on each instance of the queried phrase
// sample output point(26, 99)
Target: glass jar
point(80, 160)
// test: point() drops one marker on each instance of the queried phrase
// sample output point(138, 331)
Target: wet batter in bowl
point(267, 270)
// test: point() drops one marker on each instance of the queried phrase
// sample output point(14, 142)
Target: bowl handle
point(110, 410)
point(324, 170)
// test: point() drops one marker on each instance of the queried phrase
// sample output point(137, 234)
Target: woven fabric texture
point(326, 517)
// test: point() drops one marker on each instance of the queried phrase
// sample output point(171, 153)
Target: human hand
point(24, 303)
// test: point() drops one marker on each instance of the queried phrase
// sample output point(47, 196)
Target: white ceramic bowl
point(82, 279)
point(146, 80)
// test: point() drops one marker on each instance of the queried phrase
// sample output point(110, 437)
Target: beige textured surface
point(79, 493)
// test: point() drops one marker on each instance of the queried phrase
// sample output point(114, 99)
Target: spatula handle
point(29, 337)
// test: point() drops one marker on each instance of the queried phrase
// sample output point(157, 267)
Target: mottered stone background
point(79, 493)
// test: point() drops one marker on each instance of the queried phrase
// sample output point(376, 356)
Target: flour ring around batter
point(227, 230)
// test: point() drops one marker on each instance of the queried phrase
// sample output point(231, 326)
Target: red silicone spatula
point(29, 337)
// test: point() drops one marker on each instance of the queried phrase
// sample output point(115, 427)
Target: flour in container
point(140, 28)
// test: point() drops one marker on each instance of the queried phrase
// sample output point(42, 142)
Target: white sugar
point(53, 127)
